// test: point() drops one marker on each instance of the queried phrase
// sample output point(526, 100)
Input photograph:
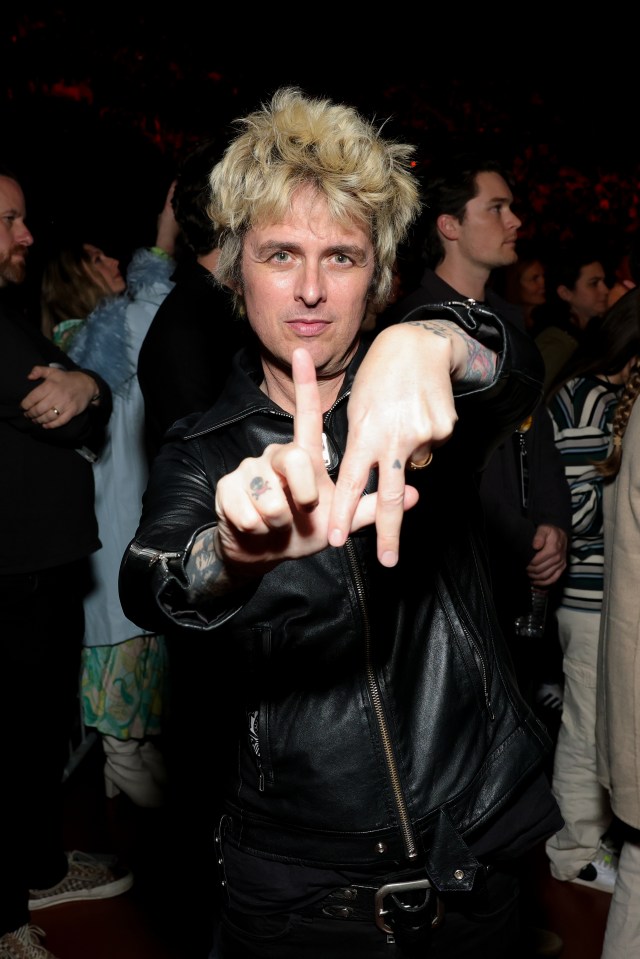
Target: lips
point(307, 327)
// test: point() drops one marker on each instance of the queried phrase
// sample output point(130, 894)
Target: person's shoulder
point(505, 310)
point(556, 329)
point(18, 332)
point(195, 291)
point(430, 290)
point(14, 320)
point(176, 314)
point(567, 403)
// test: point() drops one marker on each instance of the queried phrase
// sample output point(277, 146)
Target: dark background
point(98, 106)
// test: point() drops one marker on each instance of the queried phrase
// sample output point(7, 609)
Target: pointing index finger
point(307, 422)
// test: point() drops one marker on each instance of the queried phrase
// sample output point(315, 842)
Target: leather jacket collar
point(243, 396)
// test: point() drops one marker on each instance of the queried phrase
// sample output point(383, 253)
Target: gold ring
point(421, 466)
point(54, 409)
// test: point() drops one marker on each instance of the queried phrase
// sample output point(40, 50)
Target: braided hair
point(629, 306)
point(610, 467)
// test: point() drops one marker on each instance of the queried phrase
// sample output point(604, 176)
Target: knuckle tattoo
point(258, 486)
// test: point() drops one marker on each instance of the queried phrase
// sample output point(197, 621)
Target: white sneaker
point(24, 943)
point(601, 872)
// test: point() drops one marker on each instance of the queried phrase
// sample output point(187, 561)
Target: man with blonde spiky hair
point(378, 763)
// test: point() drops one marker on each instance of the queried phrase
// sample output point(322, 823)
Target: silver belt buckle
point(393, 887)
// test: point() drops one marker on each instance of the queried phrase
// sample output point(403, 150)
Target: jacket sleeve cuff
point(169, 587)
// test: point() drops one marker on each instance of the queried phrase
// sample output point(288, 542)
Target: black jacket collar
point(243, 397)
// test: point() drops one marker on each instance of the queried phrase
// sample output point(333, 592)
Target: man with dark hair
point(472, 230)
point(52, 419)
point(186, 354)
point(449, 190)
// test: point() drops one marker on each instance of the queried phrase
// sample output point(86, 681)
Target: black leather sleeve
point(490, 413)
point(177, 505)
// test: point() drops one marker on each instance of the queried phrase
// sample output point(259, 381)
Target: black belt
point(412, 906)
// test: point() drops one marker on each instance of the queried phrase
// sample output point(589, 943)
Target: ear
point(564, 293)
point(448, 226)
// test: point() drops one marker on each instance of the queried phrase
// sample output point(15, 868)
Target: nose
point(310, 286)
point(23, 235)
point(514, 221)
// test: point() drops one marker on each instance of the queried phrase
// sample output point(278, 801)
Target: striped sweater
point(582, 412)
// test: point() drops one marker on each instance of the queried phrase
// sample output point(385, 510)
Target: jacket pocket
point(472, 644)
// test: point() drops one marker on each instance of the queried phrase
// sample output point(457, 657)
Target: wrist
point(159, 251)
point(96, 394)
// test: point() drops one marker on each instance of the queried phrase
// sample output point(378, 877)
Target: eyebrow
point(349, 249)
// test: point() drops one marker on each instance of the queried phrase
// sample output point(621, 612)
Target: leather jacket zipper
point(153, 555)
point(483, 672)
point(376, 701)
point(478, 655)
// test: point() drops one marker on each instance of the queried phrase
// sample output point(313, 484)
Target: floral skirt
point(123, 687)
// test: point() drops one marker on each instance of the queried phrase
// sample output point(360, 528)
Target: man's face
point(305, 282)
point(15, 238)
point(486, 236)
point(589, 296)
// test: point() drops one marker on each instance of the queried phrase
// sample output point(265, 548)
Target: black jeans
point(483, 924)
point(41, 632)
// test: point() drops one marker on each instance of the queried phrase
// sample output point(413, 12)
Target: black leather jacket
point(372, 717)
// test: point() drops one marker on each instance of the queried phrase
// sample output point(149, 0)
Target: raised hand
point(167, 226)
point(400, 410)
point(276, 507)
point(400, 406)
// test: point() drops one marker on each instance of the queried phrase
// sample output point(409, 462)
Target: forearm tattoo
point(480, 366)
point(207, 574)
